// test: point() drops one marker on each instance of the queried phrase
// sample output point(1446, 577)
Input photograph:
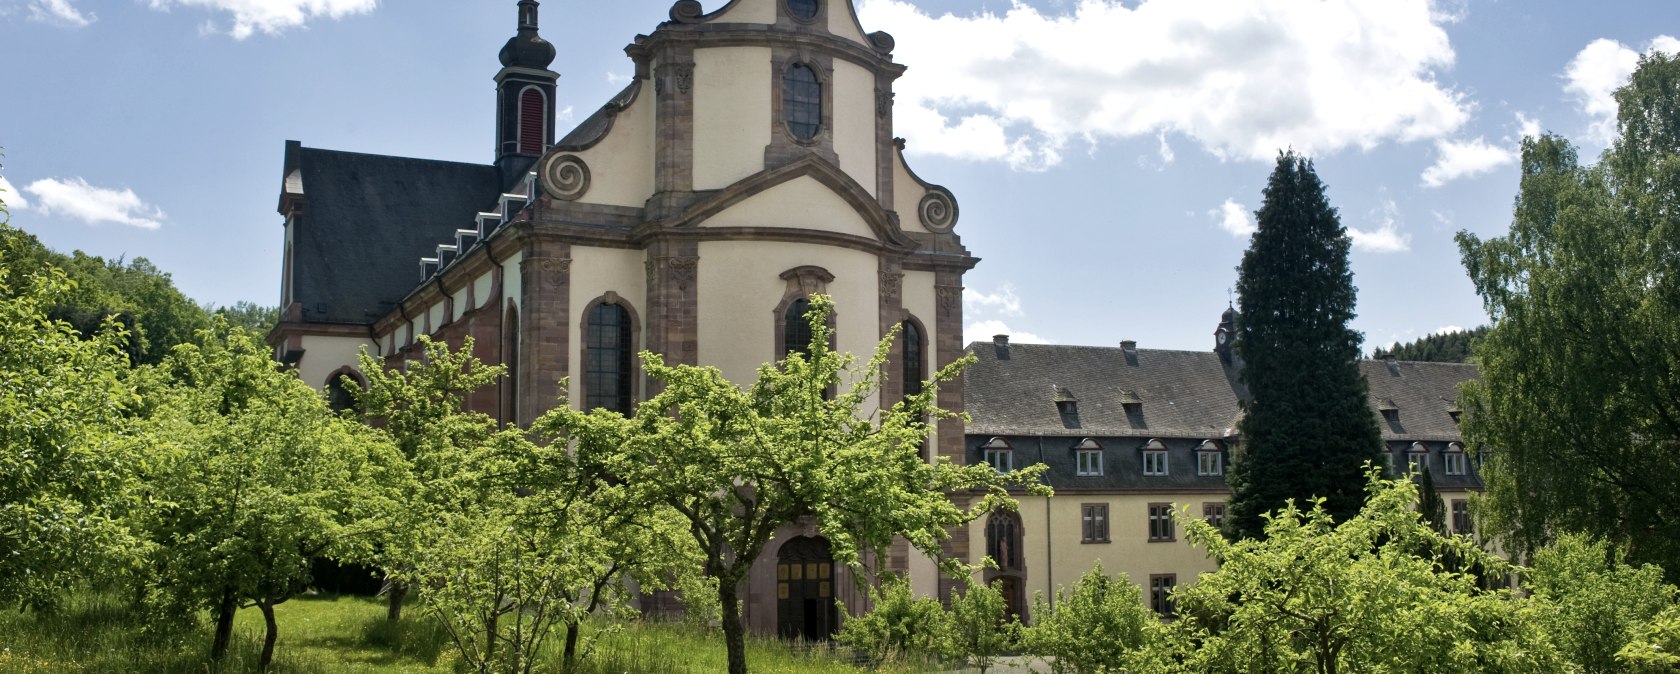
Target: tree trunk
point(394, 596)
point(268, 640)
point(734, 637)
point(224, 624)
point(572, 630)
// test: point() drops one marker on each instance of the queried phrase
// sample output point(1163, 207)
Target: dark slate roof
point(1187, 397)
point(367, 221)
point(596, 126)
point(1184, 394)
point(1423, 394)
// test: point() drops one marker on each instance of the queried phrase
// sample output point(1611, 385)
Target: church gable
point(801, 203)
point(836, 17)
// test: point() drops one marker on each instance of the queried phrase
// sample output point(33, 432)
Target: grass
point(98, 634)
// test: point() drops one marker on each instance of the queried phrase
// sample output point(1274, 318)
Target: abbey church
point(750, 163)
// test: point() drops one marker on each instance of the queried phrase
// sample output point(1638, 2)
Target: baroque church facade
point(751, 162)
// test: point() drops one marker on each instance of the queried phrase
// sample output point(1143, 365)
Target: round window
point(804, 10)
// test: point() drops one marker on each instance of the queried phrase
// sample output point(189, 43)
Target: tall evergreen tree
point(1307, 431)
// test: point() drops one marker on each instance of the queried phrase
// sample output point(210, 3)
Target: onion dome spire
point(527, 49)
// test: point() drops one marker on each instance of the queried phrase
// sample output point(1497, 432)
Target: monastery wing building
point(750, 163)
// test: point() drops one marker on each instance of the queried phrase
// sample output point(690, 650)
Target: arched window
point(796, 330)
point(802, 101)
point(338, 390)
point(607, 364)
point(914, 372)
point(533, 111)
point(510, 358)
point(1003, 540)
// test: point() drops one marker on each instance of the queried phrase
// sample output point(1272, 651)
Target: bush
point(1100, 627)
point(902, 626)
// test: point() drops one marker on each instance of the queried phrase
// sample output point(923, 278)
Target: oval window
point(804, 10)
point(802, 101)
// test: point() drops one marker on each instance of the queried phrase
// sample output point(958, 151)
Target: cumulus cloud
point(271, 17)
point(983, 331)
point(75, 198)
point(1234, 218)
point(1448, 329)
point(1528, 127)
point(59, 13)
point(14, 200)
point(1456, 159)
point(1387, 237)
point(1596, 72)
point(1240, 78)
point(1004, 301)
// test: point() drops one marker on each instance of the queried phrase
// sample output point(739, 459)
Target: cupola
point(525, 90)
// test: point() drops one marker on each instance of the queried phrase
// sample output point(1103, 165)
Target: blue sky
point(1106, 154)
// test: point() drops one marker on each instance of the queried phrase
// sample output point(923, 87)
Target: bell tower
point(524, 98)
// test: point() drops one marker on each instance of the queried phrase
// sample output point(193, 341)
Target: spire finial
point(527, 49)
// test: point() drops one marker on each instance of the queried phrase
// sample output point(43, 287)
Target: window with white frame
point(1001, 460)
point(1457, 462)
point(1417, 458)
point(1210, 463)
point(1089, 462)
point(1154, 462)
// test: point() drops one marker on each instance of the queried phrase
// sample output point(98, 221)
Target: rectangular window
point(1457, 463)
point(1002, 460)
point(1154, 462)
point(1093, 523)
point(1210, 463)
point(1461, 517)
point(1214, 513)
point(1415, 462)
point(1160, 522)
point(1160, 593)
point(1089, 462)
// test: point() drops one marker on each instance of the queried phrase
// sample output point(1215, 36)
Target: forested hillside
point(1446, 347)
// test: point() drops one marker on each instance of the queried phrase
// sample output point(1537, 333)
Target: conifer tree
point(1307, 431)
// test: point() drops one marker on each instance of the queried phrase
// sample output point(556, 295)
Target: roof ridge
point(321, 150)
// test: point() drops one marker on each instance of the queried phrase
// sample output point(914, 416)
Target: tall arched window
point(914, 371)
point(338, 389)
point(802, 101)
point(796, 335)
point(510, 358)
point(607, 359)
point(1003, 540)
point(533, 110)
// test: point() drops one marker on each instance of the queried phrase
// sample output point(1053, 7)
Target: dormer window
point(1457, 462)
point(1389, 410)
point(1154, 458)
point(1210, 459)
point(1454, 411)
point(999, 454)
point(1088, 458)
point(1417, 458)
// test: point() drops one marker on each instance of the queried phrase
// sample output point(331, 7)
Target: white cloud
point(60, 13)
point(1387, 237)
point(272, 17)
point(13, 198)
point(1448, 329)
point(1241, 78)
point(1456, 159)
point(1004, 301)
point(983, 331)
point(1528, 127)
point(1234, 218)
point(75, 198)
point(1596, 72)
point(1166, 150)
point(616, 79)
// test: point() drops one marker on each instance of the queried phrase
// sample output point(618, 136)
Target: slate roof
point(1184, 398)
point(368, 219)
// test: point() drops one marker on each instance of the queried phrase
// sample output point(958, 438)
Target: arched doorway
point(1003, 545)
point(805, 590)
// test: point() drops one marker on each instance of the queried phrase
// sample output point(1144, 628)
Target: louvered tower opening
point(533, 110)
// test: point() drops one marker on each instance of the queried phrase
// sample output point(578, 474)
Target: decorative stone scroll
point(938, 211)
point(565, 177)
point(882, 41)
point(687, 11)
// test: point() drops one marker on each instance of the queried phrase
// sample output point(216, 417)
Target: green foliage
point(1594, 603)
point(738, 464)
point(253, 478)
point(1445, 347)
point(1655, 647)
point(1577, 414)
point(980, 627)
point(66, 478)
point(1099, 627)
point(1308, 430)
point(902, 626)
point(1318, 596)
point(251, 316)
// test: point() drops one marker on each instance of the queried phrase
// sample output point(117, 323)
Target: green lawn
point(97, 634)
